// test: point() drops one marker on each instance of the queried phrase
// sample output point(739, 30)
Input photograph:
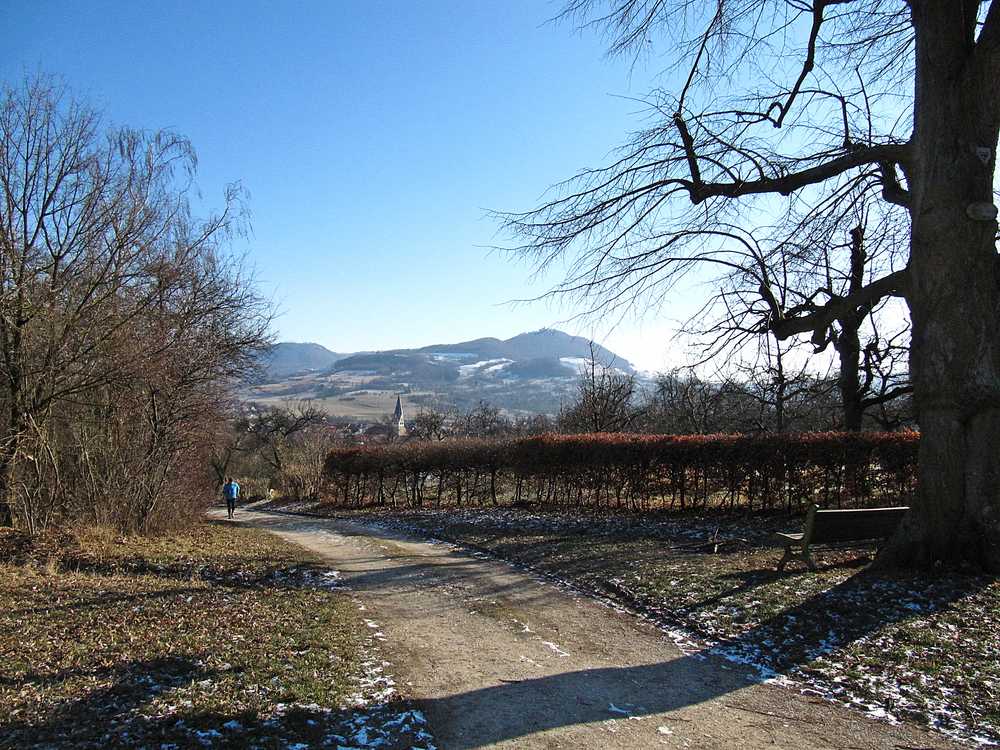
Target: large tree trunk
point(848, 381)
point(10, 443)
point(6, 507)
point(848, 343)
point(781, 386)
point(953, 299)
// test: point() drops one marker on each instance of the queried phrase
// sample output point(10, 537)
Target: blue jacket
point(231, 490)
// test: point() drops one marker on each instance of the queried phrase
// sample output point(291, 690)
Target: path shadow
point(119, 714)
point(748, 580)
point(90, 721)
point(511, 710)
point(857, 608)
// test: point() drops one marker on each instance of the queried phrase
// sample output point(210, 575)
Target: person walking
point(231, 491)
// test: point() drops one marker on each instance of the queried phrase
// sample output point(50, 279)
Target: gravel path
point(498, 658)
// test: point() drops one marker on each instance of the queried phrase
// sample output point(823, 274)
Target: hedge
point(639, 472)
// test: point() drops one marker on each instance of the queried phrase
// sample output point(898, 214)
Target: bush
point(639, 472)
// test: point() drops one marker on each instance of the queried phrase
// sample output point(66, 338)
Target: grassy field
point(218, 637)
point(362, 405)
point(919, 648)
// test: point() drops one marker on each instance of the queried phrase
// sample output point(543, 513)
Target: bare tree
point(121, 316)
point(901, 89)
point(429, 424)
point(605, 400)
point(233, 438)
point(302, 471)
point(780, 386)
point(535, 424)
point(274, 428)
point(485, 420)
point(766, 392)
point(805, 263)
point(825, 259)
point(682, 403)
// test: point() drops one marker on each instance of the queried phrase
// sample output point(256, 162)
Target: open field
point(913, 648)
point(362, 404)
point(217, 637)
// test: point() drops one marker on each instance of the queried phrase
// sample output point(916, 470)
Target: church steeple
point(398, 423)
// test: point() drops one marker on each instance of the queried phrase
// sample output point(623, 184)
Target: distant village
point(390, 428)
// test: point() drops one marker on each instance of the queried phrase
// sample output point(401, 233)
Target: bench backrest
point(852, 525)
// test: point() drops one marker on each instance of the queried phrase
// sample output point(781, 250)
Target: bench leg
point(809, 561)
point(784, 559)
point(802, 555)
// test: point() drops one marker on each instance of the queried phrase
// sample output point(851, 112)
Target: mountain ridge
point(532, 372)
point(292, 357)
point(289, 358)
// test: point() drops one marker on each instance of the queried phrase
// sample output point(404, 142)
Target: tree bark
point(848, 381)
point(847, 343)
point(6, 506)
point(953, 299)
point(10, 442)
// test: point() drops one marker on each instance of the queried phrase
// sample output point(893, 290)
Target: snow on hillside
point(582, 365)
point(486, 365)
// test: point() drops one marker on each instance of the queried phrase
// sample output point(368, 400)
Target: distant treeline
point(631, 471)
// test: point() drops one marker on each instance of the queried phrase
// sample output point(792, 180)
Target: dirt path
point(497, 658)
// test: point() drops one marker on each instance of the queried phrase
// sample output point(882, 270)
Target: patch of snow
point(552, 646)
point(485, 365)
point(582, 364)
point(207, 736)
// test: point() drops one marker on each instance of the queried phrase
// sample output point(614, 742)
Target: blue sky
point(371, 137)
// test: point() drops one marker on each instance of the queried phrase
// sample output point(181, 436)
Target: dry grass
point(221, 636)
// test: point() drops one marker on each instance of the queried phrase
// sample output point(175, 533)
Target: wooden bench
point(835, 526)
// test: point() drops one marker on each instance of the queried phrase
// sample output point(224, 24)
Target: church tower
point(397, 426)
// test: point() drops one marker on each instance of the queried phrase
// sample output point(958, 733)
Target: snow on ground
point(555, 648)
point(820, 678)
point(380, 717)
point(374, 715)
